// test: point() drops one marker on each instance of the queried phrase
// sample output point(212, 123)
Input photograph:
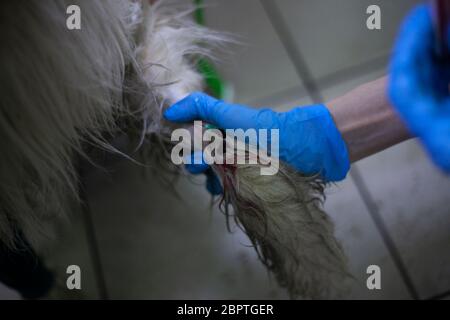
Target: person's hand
point(308, 138)
point(419, 85)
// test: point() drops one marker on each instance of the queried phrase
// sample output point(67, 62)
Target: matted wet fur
point(294, 238)
point(63, 90)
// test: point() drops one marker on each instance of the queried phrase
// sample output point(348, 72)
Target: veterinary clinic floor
point(391, 211)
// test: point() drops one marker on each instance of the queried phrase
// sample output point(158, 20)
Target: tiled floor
point(362, 243)
point(255, 60)
point(411, 196)
point(154, 245)
point(8, 294)
point(332, 35)
point(71, 247)
point(409, 193)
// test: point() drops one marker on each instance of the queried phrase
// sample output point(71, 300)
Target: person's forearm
point(367, 121)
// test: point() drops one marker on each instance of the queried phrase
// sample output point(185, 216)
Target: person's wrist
point(337, 162)
point(326, 153)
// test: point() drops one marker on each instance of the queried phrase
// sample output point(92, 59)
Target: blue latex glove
point(212, 181)
point(308, 138)
point(419, 85)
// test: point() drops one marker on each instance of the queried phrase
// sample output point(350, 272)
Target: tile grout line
point(92, 239)
point(312, 89)
point(326, 81)
point(382, 229)
point(301, 68)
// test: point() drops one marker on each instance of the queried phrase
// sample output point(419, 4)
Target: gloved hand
point(212, 181)
point(419, 85)
point(308, 138)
